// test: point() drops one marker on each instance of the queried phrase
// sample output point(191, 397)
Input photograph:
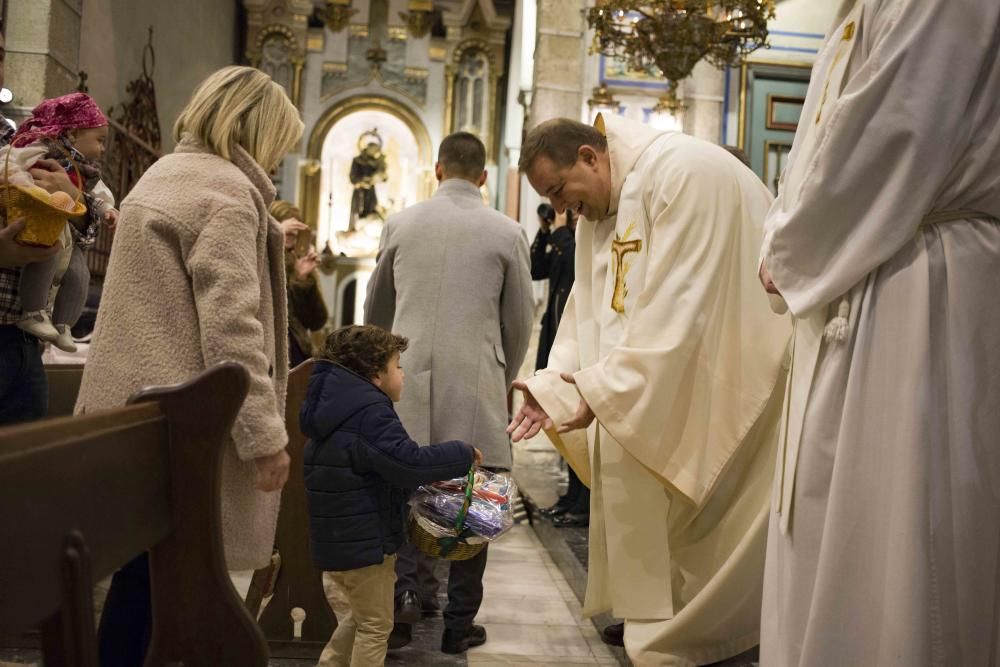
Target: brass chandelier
point(674, 35)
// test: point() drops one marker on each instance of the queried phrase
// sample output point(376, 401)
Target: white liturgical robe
point(672, 343)
point(884, 546)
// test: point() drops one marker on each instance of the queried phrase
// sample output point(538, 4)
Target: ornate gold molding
point(396, 33)
point(337, 14)
point(299, 65)
point(449, 98)
point(316, 41)
point(491, 124)
point(334, 68)
point(266, 32)
point(475, 43)
point(418, 23)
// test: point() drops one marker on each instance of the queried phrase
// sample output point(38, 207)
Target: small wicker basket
point(44, 222)
point(453, 547)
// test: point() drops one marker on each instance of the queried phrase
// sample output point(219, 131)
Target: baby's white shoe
point(38, 324)
point(65, 340)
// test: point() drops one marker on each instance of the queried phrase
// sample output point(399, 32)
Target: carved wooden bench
point(296, 583)
point(81, 496)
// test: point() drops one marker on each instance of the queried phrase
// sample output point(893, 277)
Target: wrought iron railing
point(133, 145)
point(126, 159)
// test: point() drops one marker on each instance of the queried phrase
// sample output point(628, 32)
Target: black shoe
point(572, 521)
point(554, 511)
point(407, 608)
point(458, 641)
point(401, 635)
point(614, 634)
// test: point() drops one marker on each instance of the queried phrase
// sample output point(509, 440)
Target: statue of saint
point(367, 169)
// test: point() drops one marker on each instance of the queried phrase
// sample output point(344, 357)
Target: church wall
point(191, 39)
point(797, 32)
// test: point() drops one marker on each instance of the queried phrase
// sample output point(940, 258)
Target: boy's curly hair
point(365, 349)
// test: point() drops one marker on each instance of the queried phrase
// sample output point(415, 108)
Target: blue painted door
point(774, 98)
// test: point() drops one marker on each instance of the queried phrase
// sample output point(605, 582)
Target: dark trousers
point(577, 495)
point(295, 354)
point(415, 572)
point(24, 391)
point(127, 619)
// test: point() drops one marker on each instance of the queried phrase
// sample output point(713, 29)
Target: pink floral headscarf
point(51, 118)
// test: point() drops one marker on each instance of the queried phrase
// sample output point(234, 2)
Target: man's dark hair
point(738, 153)
point(546, 212)
point(462, 155)
point(559, 140)
point(364, 349)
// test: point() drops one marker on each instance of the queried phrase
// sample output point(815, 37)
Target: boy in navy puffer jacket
point(359, 467)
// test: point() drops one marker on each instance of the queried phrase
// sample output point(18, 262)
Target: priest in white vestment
point(669, 342)
point(884, 547)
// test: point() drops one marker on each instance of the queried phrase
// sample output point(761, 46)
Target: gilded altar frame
point(310, 172)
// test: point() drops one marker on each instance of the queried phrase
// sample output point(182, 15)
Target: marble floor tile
point(519, 535)
point(553, 641)
point(596, 644)
point(510, 552)
point(521, 572)
point(525, 612)
point(493, 660)
point(519, 590)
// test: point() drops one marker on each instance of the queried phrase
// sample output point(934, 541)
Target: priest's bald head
point(567, 161)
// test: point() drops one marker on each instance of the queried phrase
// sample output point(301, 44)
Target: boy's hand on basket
point(477, 458)
point(14, 254)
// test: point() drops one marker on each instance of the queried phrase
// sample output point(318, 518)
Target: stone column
point(557, 88)
point(703, 97)
point(43, 51)
point(559, 61)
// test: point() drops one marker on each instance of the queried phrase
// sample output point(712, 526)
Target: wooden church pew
point(81, 496)
point(64, 385)
point(297, 584)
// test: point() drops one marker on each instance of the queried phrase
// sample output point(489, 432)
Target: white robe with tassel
point(884, 546)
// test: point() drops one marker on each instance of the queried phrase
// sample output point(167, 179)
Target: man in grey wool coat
point(453, 276)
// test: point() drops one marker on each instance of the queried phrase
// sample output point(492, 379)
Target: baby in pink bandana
point(78, 125)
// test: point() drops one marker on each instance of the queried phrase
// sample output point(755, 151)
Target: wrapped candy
point(437, 507)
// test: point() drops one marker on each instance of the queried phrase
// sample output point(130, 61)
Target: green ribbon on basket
point(448, 544)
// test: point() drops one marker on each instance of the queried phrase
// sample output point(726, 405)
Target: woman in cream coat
point(196, 277)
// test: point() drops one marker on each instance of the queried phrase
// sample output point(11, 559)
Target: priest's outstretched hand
point(531, 418)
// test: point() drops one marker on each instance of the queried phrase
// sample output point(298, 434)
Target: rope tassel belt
point(837, 329)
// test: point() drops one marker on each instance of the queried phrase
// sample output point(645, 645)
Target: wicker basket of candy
point(455, 519)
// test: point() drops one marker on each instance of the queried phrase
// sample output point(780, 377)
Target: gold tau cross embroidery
point(621, 247)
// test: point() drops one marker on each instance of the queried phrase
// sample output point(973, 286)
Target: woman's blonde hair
point(242, 106)
point(282, 210)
